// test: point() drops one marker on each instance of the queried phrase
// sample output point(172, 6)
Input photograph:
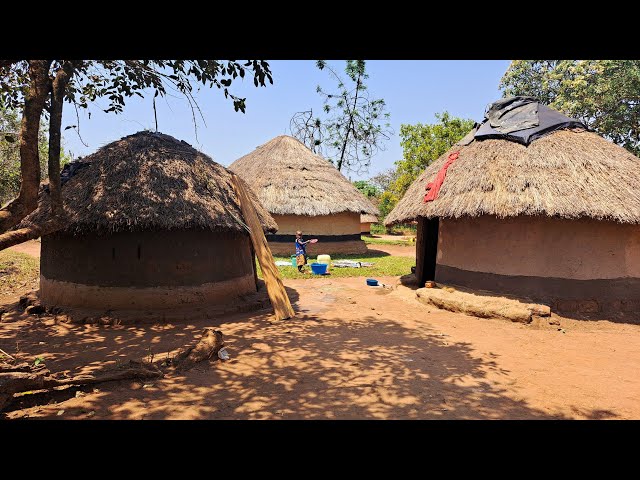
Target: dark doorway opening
point(426, 249)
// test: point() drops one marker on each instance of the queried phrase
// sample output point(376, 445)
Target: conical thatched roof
point(567, 173)
point(149, 181)
point(289, 179)
point(366, 218)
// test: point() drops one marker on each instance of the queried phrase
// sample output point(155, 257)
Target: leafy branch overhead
point(604, 94)
point(353, 126)
point(38, 88)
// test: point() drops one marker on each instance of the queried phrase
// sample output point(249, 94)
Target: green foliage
point(10, 154)
point(424, 143)
point(604, 94)
point(377, 228)
point(366, 188)
point(354, 125)
point(118, 80)
point(38, 361)
point(387, 201)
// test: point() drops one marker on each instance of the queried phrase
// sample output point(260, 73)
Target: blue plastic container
point(319, 268)
point(293, 261)
point(372, 282)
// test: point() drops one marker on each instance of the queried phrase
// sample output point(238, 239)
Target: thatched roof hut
point(304, 191)
point(556, 218)
point(153, 223)
point(568, 173)
point(366, 220)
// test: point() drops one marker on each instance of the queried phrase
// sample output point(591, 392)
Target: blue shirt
point(301, 248)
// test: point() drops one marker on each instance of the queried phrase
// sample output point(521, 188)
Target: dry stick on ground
point(6, 354)
point(275, 288)
point(15, 382)
point(23, 377)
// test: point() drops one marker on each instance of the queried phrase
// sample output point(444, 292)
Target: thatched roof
point(366, 218)
point(567, 173)
point(149, 181)
point(289, 179)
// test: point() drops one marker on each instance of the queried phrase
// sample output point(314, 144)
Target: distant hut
point(534, 205)
point(153, 224)
point(365, 223)
point(303, 191)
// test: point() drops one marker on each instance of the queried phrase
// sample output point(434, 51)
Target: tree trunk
point(35, 98)
point(55, 126)
point(346, 137)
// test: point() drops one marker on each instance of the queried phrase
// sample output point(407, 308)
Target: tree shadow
point(309, 367)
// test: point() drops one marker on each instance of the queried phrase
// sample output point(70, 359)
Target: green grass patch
point(382, 265)
point(384, 241)
point(17, 269)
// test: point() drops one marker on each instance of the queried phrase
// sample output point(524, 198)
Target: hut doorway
point(426, 249)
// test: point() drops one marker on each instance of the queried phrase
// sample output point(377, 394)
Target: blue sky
point(414, 91)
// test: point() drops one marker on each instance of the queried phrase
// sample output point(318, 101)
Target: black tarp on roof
point(520, 119)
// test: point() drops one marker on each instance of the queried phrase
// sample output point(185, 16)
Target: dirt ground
point(31, 247)
point(397, 250)
point(352, 352)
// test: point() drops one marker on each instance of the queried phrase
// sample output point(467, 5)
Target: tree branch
point(14, 237)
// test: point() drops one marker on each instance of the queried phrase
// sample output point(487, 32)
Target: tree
point(35, 87)
point(424, 143)
point(383, 180)
point(10, 154)
point(604, 94)
point(353, 129)
point(386, 203)
point(366, 188)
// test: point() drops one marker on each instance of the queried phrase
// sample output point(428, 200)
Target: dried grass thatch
point(567, 173)
point(289, 179)
point(150, 181)
point(368, 218)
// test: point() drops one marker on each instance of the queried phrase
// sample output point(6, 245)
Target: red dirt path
point(352, 352)
point(31, 247)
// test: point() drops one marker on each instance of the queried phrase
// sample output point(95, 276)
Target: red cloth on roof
point(434, 187)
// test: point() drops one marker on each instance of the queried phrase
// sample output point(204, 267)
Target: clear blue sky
point(414, 91)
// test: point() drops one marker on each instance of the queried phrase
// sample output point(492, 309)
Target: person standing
point(301, 251)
